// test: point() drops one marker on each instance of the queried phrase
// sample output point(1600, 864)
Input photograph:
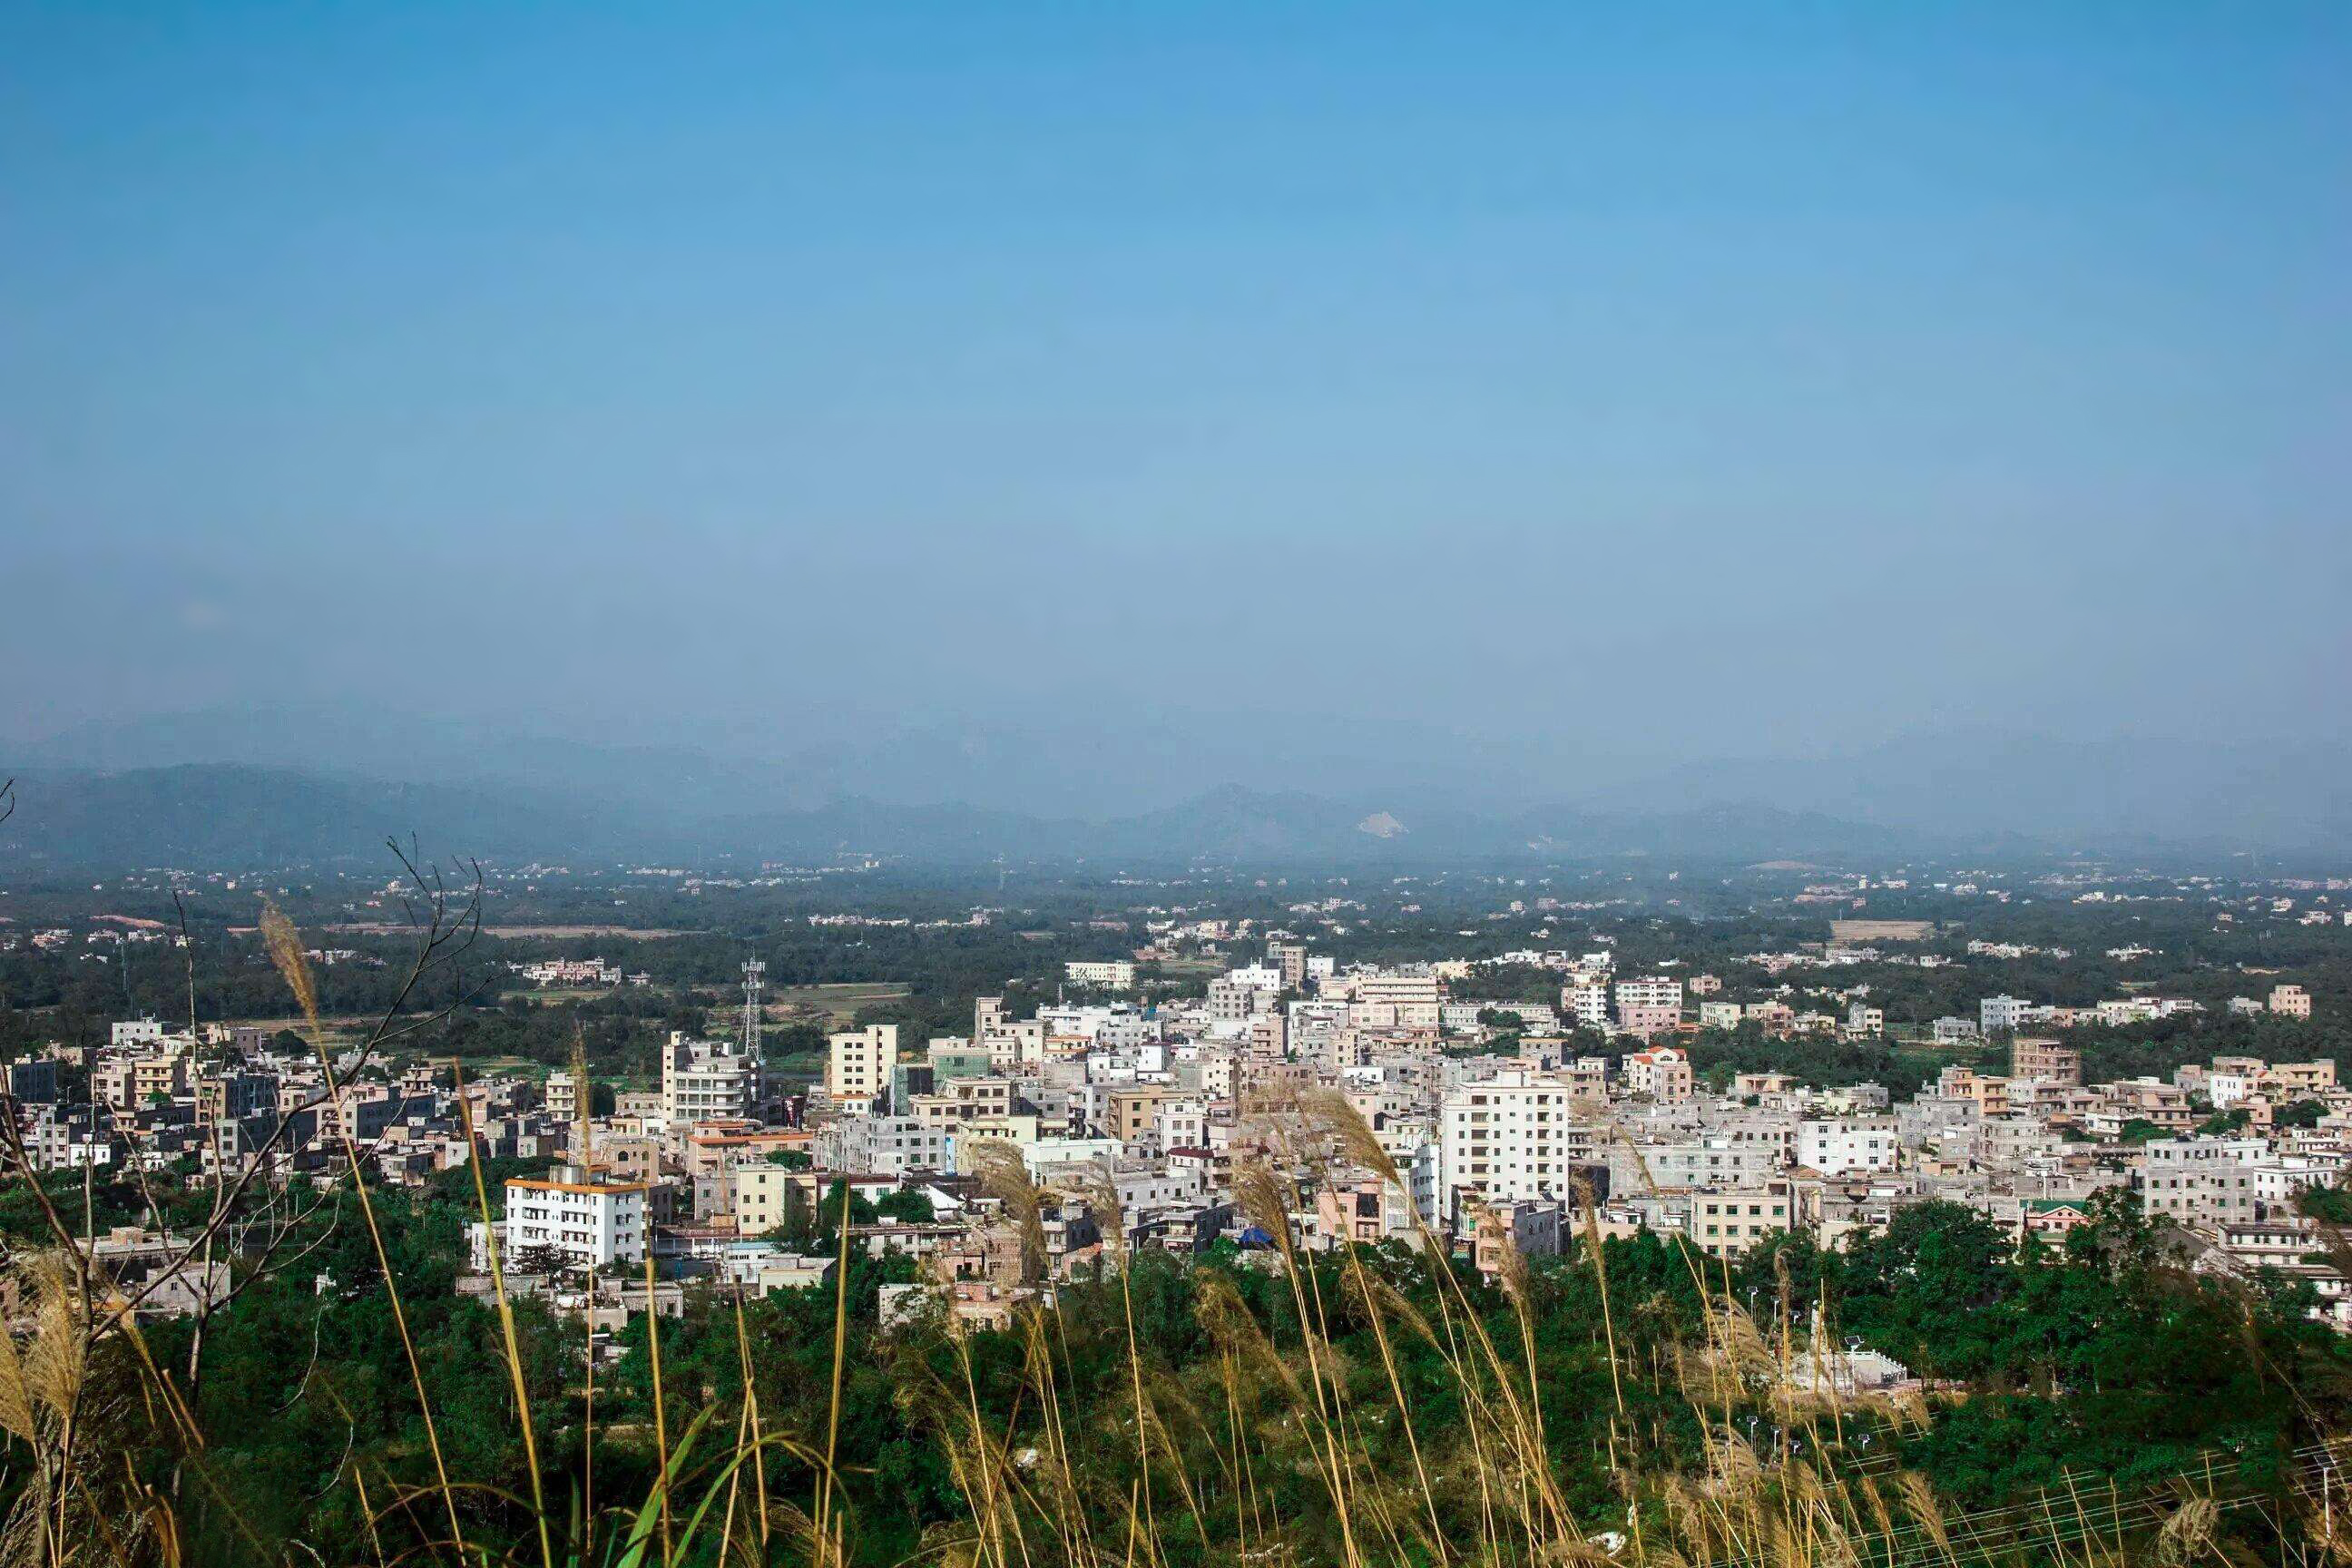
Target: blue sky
point(1694, 379)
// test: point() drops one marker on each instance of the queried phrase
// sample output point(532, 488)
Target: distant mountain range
point(260, 787)
point(229, 816)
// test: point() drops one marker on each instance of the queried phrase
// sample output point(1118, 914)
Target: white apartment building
point(1658, 991)
point(1110, 974)
point(1505, 1139)
point(1714, 1160)
point(2284, 1178)
point(884, 1146)
point(561, 1104)
point(2227, 1089)
point(702, 1079)
point(2202, 1180)
point(860, 1063)
point(1841, 1148)
point(1586, 1004)
point(1997, 1013)
point(591, 1224)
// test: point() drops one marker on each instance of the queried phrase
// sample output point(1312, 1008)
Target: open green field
point(830, 1005)
point(333, 1030)
point(826, 1006)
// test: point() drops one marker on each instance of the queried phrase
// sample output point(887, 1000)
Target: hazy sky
point(1708, 377)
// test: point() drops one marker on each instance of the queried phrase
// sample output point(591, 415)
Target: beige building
point(962, 1100)
point(1394, 1001)
point(126, 1083)
point(861, 1063)
point(1132, 1115)
point(2290, 1002)
point(1989, 1094)
point(2044, 1062)
point(1663, 1073)
point(759, 1196)
point(1726, 1225)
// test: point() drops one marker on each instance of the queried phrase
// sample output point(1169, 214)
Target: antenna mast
point(582, 1154)
point(752, 971)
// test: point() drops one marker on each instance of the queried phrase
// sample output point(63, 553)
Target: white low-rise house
point(2284, 1178)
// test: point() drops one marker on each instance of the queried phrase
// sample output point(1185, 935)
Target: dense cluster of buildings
point(1377, 1104)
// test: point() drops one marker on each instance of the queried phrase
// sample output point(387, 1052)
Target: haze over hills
point(270, 785)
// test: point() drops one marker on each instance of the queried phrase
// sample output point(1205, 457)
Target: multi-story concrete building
point(884, 1146)
point(128, 1082)
point(561, 1101)
point(1726, 1225)
point(1989, 1094)
point(1997, 1013)
point(1842, 1148)
point(1529, 1227)
point(1369, 1209)
point(760, 1197)
point(1587, 1002)
point(1716, 1160)
point(1231, 1002)
point(1503, 1139)
point(1393, 1001)
point(859, 1063)
point(1663, 1072)
point(1108, 975)
point(2202, 1181)
point(1718, 1015)
point(708, 1080)
point(1648, 1019)
point(1650, 997)
point(2044, 1060)
point(2290, 1002)
point(592, 1224)
point(34, 1080)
